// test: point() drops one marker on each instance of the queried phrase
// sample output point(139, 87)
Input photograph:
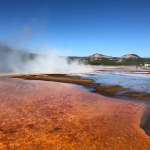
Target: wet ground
point(50, 115)
point(137, 79)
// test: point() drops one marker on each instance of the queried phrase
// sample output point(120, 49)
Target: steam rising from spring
point(17, 61)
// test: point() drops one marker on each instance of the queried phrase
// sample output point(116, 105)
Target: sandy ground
point(40, 115)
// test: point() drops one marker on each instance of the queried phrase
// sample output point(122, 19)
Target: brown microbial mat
point(44, 115)
point(104, 90)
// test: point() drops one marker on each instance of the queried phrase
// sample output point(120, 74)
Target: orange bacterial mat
point(44, 115)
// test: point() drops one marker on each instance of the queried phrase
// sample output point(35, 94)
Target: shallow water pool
point(134, 82)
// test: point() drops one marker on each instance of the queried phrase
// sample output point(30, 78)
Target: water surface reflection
point(135, 82)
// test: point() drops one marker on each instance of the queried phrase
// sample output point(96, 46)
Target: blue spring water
point(134, 83)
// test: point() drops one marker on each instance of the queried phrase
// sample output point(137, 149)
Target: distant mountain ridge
point(99, 59)
point(97, 56)
point(95, 59)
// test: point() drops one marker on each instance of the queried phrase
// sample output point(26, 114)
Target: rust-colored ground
point(105, 90)
point(40, 115)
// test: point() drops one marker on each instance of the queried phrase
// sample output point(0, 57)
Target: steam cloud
point(17, 61)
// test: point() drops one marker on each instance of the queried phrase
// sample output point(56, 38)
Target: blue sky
point(77, 27)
